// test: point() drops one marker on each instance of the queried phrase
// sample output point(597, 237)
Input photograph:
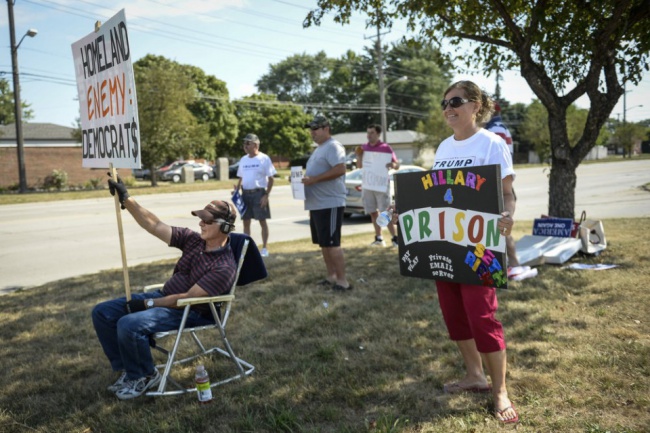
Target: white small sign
point(375, 174)
point(297, 187)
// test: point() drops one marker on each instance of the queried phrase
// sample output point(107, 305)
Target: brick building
point(47, 147)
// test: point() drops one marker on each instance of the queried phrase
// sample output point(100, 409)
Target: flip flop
point(456, 388)
point(339, 288)
point(499, 413)
point(324, 283)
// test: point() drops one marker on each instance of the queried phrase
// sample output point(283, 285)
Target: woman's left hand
point(505, 223)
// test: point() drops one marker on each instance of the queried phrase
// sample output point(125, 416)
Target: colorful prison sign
point(109, 109)
point(448, 222)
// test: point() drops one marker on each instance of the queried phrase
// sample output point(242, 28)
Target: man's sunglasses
point(455, 102)
point(219, 220)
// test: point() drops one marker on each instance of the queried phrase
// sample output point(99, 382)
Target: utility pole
point(382, 94)
point(380, 76)
point(497, 90)
point(18, 109)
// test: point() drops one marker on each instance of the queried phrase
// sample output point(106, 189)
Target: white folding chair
point(244, 255)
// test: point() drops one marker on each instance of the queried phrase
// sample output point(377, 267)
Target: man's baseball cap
point(252, 138)
point(216, 209)
point(318, 122)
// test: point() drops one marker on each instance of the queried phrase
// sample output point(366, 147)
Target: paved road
point(43, 242)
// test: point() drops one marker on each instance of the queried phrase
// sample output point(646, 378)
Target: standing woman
point(468, 310)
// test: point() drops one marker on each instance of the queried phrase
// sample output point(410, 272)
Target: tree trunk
point(561, 189)
point(564, 161)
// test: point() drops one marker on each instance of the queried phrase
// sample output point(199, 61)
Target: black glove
point(122, 193)
point(135, 305)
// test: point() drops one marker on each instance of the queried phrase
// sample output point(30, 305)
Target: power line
point(330, 107)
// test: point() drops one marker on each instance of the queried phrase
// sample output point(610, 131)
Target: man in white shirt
point(255, 175)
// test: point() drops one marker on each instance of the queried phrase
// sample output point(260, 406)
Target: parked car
point(201, 171)
point(351, 161)
point(232, 170)
point(160, 171)
point(141, 173)
point(353, 201)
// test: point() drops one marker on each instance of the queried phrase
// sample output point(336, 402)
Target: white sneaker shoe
point(119, 383)
point(135, 388)
point(264, 252)
point(378, 243)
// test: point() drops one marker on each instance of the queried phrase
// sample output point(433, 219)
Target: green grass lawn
point(370, 360)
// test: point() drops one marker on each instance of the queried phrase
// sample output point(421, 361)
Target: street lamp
point(382, 103)
point(18, 109)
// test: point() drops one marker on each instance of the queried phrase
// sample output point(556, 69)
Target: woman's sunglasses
point(455, 102)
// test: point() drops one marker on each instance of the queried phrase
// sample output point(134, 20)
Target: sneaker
point(119, 384)
point(395, 242)
point(135, 388)
point(264, 252)
point(379, 242)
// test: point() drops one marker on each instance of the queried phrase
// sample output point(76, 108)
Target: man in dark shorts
point(325, 200)
point(255, 174)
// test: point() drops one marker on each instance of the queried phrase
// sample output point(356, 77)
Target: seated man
point(207, 267)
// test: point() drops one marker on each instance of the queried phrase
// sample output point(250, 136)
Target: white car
point(353, 200)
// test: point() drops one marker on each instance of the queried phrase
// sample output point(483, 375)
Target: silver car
point(201, 171)
point(353, 200)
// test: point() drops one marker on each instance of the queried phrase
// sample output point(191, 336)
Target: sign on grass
point(558, 227)
point(448, 222)
point(109, 109)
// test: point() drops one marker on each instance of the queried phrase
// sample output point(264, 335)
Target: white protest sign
point(109, 109)
point(297, 187)
point(375, 174)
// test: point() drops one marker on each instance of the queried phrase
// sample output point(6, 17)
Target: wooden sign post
point(110, 132)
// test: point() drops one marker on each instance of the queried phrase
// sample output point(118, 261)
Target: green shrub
point(57, 179)
point(93, 183)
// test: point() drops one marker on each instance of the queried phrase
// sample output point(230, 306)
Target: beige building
point(404, 143)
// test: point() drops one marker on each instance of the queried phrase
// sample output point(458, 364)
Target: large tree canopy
point(168, 130)
point(346, 89)
point(564, 50)
point(280, 126)
point(209, 105)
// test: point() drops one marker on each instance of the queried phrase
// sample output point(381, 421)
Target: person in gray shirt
point(324, 182)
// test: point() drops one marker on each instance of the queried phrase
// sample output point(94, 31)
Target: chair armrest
point(204, 300)
point(152, 287)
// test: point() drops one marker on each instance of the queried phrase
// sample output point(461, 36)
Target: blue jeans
point(125, 337)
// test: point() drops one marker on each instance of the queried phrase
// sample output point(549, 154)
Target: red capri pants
point(469, 314)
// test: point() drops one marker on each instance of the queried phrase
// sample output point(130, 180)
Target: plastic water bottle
point(203, 385)
point(384, 218)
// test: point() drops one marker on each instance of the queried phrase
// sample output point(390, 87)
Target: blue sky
point(234, 40)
